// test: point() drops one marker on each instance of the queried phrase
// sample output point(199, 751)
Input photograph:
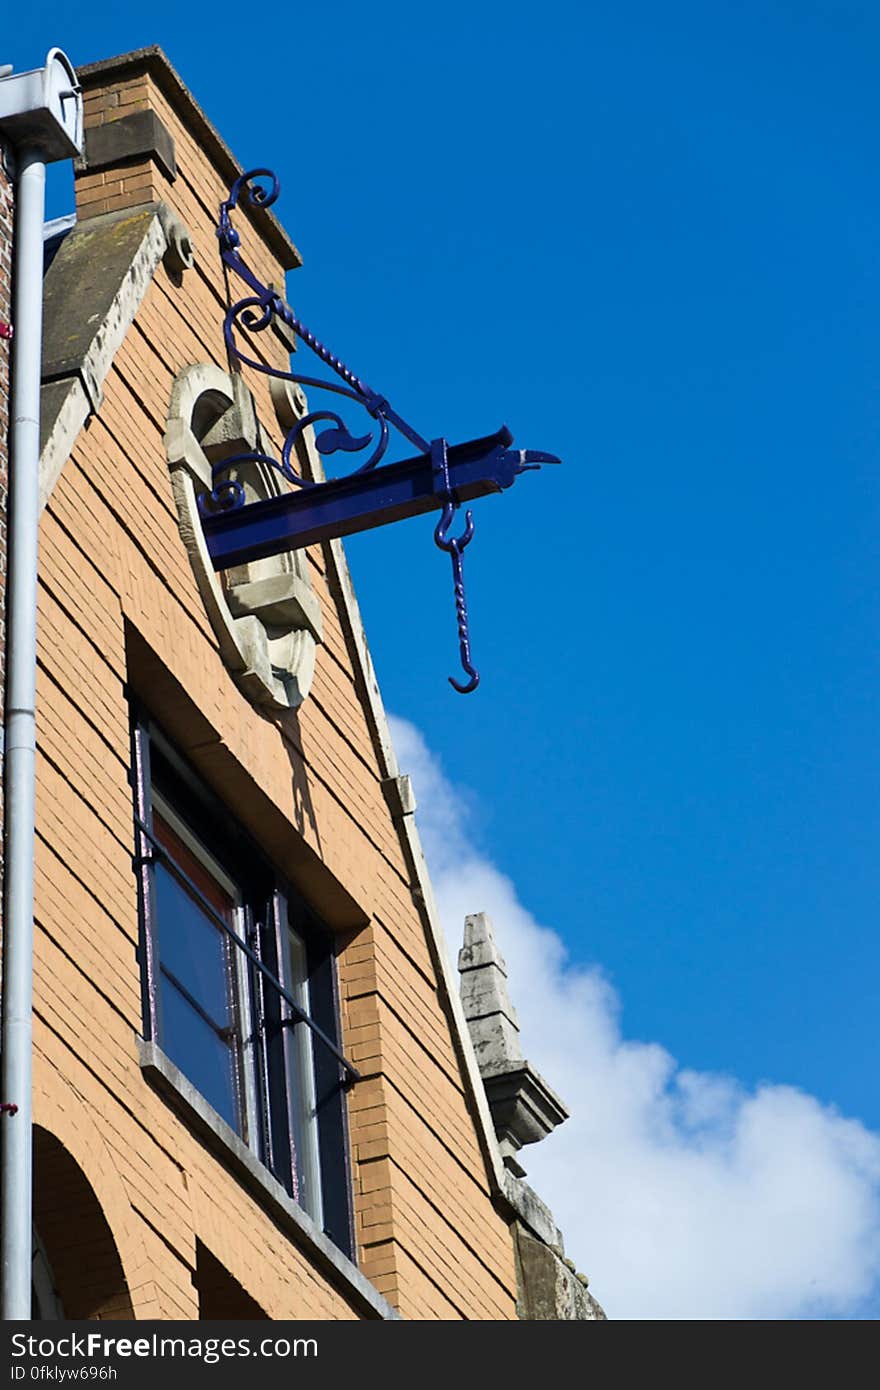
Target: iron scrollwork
point(255, 313)
point(258, 310)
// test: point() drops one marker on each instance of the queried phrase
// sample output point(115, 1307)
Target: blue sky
point(645, 237)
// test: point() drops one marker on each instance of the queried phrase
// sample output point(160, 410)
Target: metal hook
point(464, 640)
point(441, 530)
point(454, 545)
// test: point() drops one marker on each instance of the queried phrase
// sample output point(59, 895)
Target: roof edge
point(402, 806)
point(154, 61)
point(73, 389)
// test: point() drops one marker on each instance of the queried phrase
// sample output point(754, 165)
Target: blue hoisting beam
point(342, 506)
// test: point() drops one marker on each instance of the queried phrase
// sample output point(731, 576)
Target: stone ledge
point(550, 1289)
point(282, 600)
point(140, 135)
point(533, 1212)
point(399, 795)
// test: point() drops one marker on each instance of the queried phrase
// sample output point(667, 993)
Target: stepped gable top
point(153, 61)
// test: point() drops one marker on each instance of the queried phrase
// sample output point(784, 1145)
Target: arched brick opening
point(79, 1244)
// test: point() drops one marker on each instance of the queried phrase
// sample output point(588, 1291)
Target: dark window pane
point(198, 1033)
point(204, 1059)
point(191, 947)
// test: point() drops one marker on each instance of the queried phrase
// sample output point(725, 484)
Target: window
point(239, 984)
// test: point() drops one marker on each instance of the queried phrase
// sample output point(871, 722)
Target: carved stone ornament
point(265, 615)
point(523, 1107)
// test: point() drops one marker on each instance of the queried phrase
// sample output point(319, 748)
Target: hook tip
point(465, 689)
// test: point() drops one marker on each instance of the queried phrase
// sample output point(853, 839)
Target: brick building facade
point(255, 1089)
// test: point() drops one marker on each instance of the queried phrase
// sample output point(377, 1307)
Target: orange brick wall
point(429, 1235)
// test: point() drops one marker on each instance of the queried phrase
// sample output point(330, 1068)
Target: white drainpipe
point(41, 120)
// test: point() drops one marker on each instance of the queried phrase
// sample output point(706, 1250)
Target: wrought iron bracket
point(439, 477)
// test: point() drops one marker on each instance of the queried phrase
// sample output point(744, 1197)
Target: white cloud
point(682, 1194)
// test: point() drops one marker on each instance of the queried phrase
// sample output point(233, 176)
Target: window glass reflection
point(197, 1009)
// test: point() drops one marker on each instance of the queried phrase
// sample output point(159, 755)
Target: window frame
point(282, 1023)
point(237, 999)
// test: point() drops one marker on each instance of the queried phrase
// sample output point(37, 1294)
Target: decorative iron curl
point(228, 494)
point(331, 441)
point(255, 196)
point(256, 314)
point(257, 311)
point(225, 496)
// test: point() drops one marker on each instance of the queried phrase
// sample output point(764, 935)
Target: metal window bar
point(147, 950)
point(224, 1033)
point(279, 925)
point(260, 1039)
point(300, 1016)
